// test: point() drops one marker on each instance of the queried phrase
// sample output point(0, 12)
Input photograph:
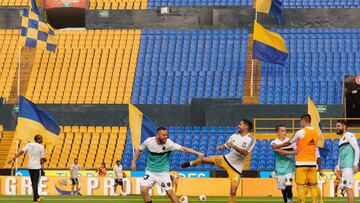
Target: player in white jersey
point(348, 158)
point(158, 163)
point(74, 173)
point(36, 154)
point(241, 144)
point(118, 177)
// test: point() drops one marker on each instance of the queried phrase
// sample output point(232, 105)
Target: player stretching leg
point(241, 145)
point(348, 158)
point(306, 141)
point(284, 164)
point(158, 163)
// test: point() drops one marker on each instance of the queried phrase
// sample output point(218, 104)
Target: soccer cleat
point(185, 165)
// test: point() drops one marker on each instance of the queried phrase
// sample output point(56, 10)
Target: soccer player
point(158, 163)
point(118, 177)
point(284, 164)
point(348, 158)
point(306, 141)
point(36, 154)
point(102, 170)
point(74, 173)
point(241, 144)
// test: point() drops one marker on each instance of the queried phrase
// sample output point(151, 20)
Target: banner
point(110, 173)
point(65, 3)
point(17, 185)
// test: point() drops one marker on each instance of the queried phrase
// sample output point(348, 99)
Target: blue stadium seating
point(175, 66)
point(159, 3)
point(318, 60)
point(207, 145)
point(287, 4)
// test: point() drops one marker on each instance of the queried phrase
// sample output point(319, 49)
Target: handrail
point(328, 128)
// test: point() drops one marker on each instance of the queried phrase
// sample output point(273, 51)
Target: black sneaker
point(185, 165)
point(79, 194)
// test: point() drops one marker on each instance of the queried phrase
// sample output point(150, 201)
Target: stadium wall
point(220, 17)
point(204, 114)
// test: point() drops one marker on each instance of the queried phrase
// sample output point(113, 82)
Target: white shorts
point(347, 178)
point(285, 180)
point(162, 179)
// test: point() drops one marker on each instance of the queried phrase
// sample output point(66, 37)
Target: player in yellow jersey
point(306, 141)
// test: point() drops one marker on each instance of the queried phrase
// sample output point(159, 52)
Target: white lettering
point(10, 186)
point(127, 186)
point(26, 188)
point(332, 188)
point(108, 186)
point(92, 184)
point(42, 186)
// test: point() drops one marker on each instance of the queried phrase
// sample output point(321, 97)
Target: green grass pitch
point(137, 199)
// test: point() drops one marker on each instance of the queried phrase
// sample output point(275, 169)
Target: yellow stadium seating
point(9, 57)
point(14, 2)
point(91, 145)
point(89, 67)
point(118, 4)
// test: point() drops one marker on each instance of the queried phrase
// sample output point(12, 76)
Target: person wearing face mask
point(348, 159)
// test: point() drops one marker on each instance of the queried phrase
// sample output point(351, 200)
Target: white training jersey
point(35, 152)
point(74, 171)
point(234, 158)
point(118, 171)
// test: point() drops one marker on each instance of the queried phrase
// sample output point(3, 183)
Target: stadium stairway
point(6, 139)
point(254, 99)
point(27, 60)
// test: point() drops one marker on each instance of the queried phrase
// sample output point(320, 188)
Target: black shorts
point(118, 182)
point(74, 181)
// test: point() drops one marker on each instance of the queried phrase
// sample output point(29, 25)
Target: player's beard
point(339, 132)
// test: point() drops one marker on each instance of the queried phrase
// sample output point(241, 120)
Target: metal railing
point(267, 125)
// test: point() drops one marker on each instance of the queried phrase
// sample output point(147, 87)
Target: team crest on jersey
point(164, 147)
point(244, 145)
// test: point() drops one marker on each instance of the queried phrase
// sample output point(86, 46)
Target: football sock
point(231, 200)
point(314, 193)
point(319, 195)
point(195, 162)
point(149, 202)
point(284, 195)
point(301, 193)
point(289, 193)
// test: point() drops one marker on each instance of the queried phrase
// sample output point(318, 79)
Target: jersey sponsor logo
point(311, 142)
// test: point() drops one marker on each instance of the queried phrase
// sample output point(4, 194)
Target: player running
point(241, 144)
point(74, 173)
point(118, 178)
point(348, 158)
point(284, 164)
point(306, 141)
point(158, 163)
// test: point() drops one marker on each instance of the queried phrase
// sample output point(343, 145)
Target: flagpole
point(19, 65)
point(252, 66)
point(18, 94)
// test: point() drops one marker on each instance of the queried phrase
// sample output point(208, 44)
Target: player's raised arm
point(191, 151)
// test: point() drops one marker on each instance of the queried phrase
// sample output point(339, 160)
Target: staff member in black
point(36, 154)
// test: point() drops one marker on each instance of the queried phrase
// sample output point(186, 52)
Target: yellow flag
point(315, 121)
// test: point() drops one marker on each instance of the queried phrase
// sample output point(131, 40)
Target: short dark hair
point(344, 122)
point(277, 128)
point(248, 123)
point(75, 159)
point(37, 137)
point(160, 129)
point(118, 161)
point(103, 163)
point(306, 117)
